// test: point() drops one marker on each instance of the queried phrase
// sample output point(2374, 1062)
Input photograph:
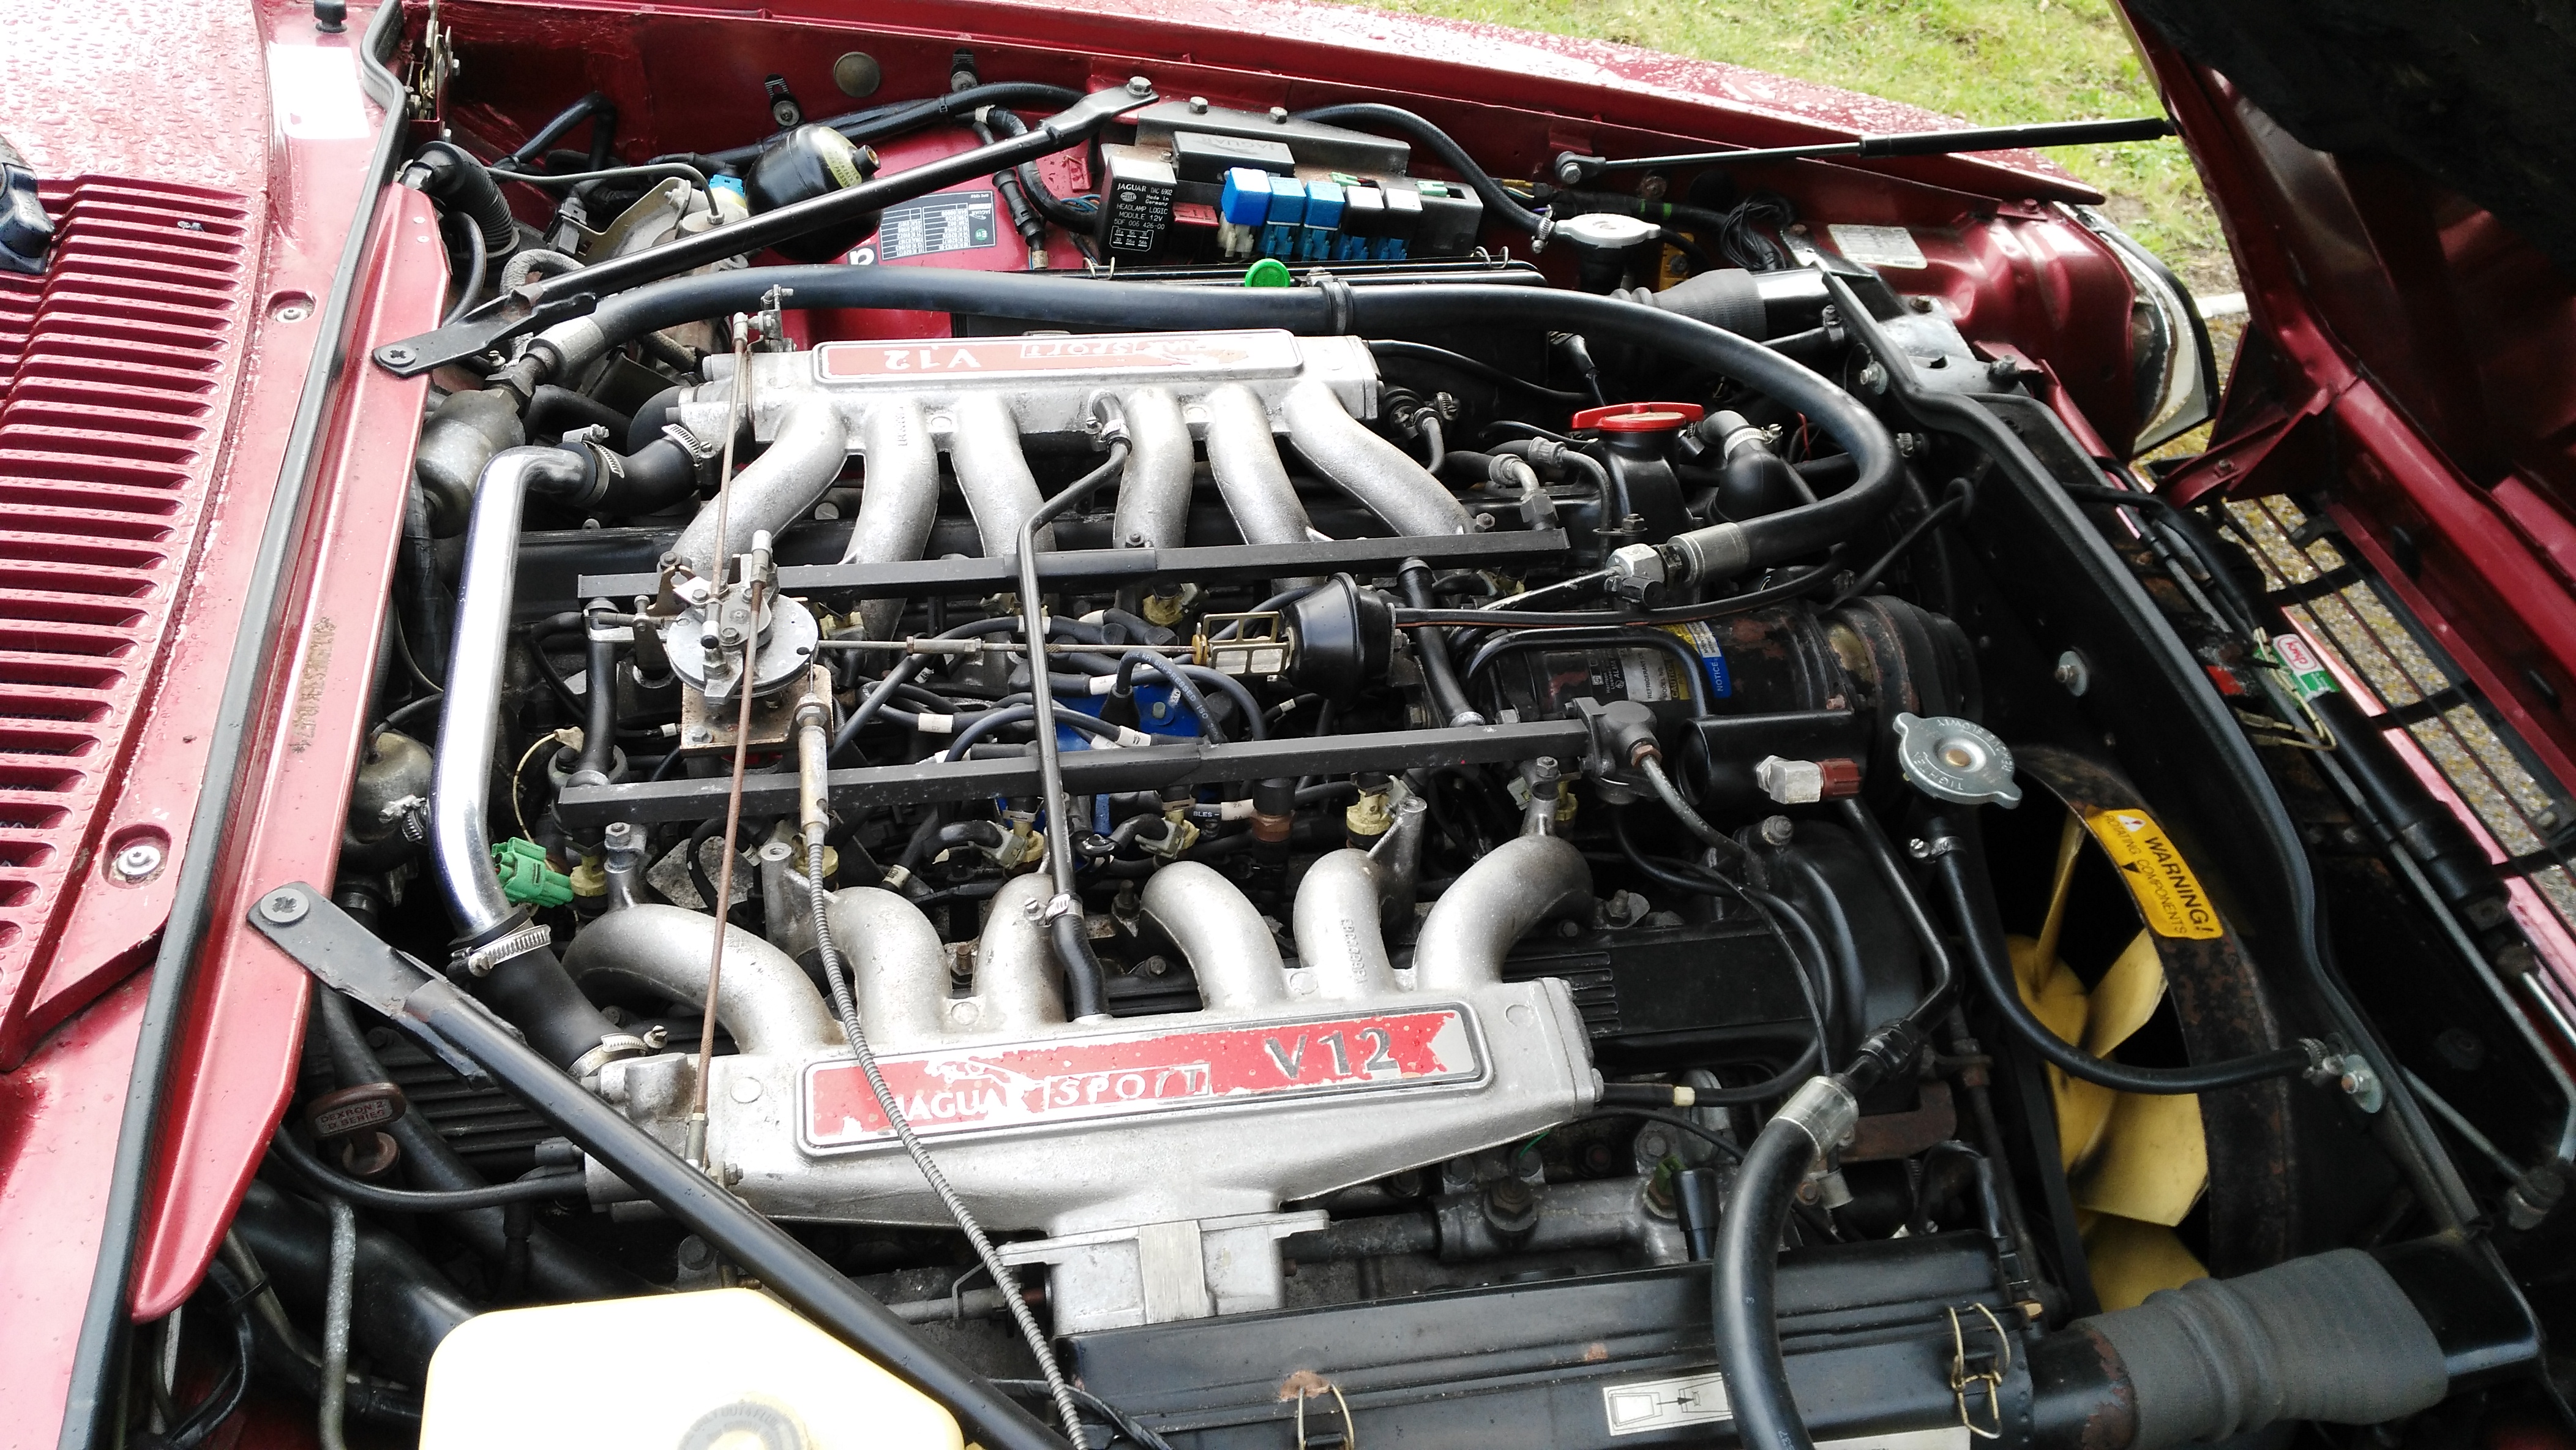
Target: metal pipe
point(469, 721)
point(763, 999)
point(1016, 978)
point(623, 844)
point(898, 962)
point(1398, 856)
point(1383, 477)
point(773, 490)
point(335, 1322)
point(1249, 476)
point(1229, 948)
point(1336, 924)
point(1063, 911)
point(520, 976)
point(992, 473)
point(898, 500)
point(1514, 887)
point(1154, 495)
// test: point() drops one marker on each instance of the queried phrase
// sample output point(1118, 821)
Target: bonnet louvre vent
point(116, 368)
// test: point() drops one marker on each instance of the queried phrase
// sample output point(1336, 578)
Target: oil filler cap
point(1951, 759)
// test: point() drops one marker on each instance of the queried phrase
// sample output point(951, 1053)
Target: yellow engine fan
point(2136, 1162)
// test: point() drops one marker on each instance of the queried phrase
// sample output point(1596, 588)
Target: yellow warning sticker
point(2169, 896)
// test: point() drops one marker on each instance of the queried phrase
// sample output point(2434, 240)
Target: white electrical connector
point(1789, 782)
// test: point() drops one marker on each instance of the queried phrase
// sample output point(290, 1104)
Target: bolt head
point(1139, 86)
point(1279, 115)
point(1777, 830)
point(1198, 105)
point(137, 861)
point(397, 356)
point(285, 908)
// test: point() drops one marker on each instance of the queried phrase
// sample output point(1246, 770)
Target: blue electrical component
point(1323, 220)
point(1246, 199)
point(1287, 214)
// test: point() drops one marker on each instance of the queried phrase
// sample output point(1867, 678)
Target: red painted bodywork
point(2412, 359)
point(2458, 451)
point(297, 167)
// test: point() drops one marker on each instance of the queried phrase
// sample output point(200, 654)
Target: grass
point(1986, 62)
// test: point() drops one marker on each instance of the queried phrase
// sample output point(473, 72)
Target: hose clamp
point(479, 960)
point(611, 1047)
point(1337, 300)
point(1824, 1109)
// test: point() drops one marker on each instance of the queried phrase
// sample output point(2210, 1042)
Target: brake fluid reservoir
point(715, 1368)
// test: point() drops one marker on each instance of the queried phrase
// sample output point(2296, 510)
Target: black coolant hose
point(557, 1269)
point(1718, 552)
point(418, 598)
point(1744, 1266)
point(1960, 870)
point(557, 410)
point(1033, 186)
point(1505, 207)
point(1439, 674)
point(405, 1307)
point(647, 481)
point(598, 759)
point(448, 174)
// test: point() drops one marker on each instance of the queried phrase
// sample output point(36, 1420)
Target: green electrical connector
point(525, 876)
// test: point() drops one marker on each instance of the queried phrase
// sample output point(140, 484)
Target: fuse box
point(1204, 183)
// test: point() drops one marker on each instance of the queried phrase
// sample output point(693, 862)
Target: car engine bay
point(1196, 741)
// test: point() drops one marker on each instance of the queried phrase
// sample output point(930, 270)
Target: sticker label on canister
point(1712, 656)
point(2168, 895)
point(944, 221)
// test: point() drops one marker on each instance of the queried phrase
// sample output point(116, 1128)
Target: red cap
point(1639, 417)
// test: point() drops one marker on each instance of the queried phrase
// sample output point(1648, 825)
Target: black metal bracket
point(344, 956)
point(1086, 772)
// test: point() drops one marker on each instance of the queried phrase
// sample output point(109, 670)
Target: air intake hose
point(2345, 1337)
point(448, 174)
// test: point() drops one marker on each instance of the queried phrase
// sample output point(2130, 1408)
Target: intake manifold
point(1147, 1137)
